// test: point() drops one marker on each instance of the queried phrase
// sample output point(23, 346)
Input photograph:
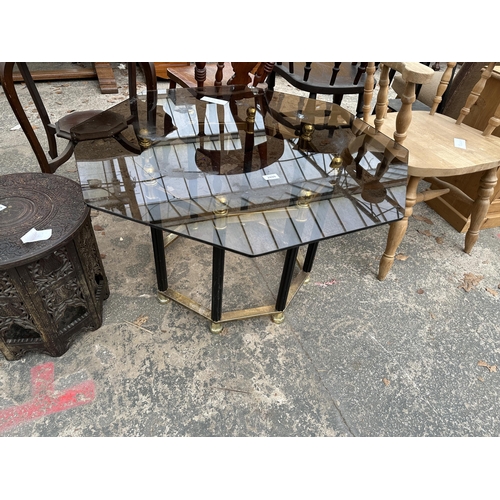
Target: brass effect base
point(162, 298)
point(216, 327)
point(239, 314)
point(278, 318)
point(169, 238)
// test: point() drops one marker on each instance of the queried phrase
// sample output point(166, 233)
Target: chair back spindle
point(493, 122)
point(262, 72)
point(382, 97)
point(361, 70)
point(335, 72)
point(413, 74)
point(475, 92)
point(241, 75)
point(307, 70)
point(473, 97)
point(200, 73)
point(330, 78)
point(443, 85)
point(370, 84)
point(219, 74)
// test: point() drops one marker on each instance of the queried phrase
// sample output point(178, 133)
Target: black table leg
point(159, 255)
point(286, 278)
point(217, 285)
point(310, 255)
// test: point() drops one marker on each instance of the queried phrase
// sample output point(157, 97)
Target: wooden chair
point(217, 74)
point(424, 93)
point(112, 126)
point(439, 147)
point(336, 79)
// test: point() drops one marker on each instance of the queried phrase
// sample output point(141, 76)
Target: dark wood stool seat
point(112, 125)
point(105, 125)
point(51, 290)
point(66, 123)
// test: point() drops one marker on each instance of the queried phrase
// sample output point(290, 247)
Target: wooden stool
point(50, 290)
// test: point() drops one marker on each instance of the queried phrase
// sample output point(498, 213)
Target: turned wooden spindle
point(403, 119)
point(219, 74)
point(368, 94)
point(413, 74)
point(335, 71)
point(443, 85)
point(200, 73)
point(382, 100)
point(493, 123)
point(361, 71)
point(476, 92)
point(262, 72)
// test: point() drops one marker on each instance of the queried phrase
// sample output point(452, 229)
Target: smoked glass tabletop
point(242, 168)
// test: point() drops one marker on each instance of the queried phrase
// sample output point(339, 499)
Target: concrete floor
point(415, 355)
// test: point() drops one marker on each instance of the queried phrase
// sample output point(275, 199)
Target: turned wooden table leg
point(397, 229)
point(480, 208)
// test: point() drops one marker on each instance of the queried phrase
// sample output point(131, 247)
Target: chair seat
point(441, 158)
point(184, 75)
point(66, 123)
point(108, 124)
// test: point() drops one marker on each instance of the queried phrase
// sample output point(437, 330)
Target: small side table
point(50, 290)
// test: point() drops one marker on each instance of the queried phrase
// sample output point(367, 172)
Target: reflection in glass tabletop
point(243, 169)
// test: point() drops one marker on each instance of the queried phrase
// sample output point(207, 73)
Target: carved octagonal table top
point(39, 201)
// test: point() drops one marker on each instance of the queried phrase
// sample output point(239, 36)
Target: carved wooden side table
point(50, 290)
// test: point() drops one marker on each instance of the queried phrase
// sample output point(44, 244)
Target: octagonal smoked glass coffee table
point(243, 170)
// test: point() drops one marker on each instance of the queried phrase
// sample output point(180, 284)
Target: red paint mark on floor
point(45, 399)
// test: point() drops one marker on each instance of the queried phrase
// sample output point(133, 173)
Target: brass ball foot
point(216, 327)
point(278, 318)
